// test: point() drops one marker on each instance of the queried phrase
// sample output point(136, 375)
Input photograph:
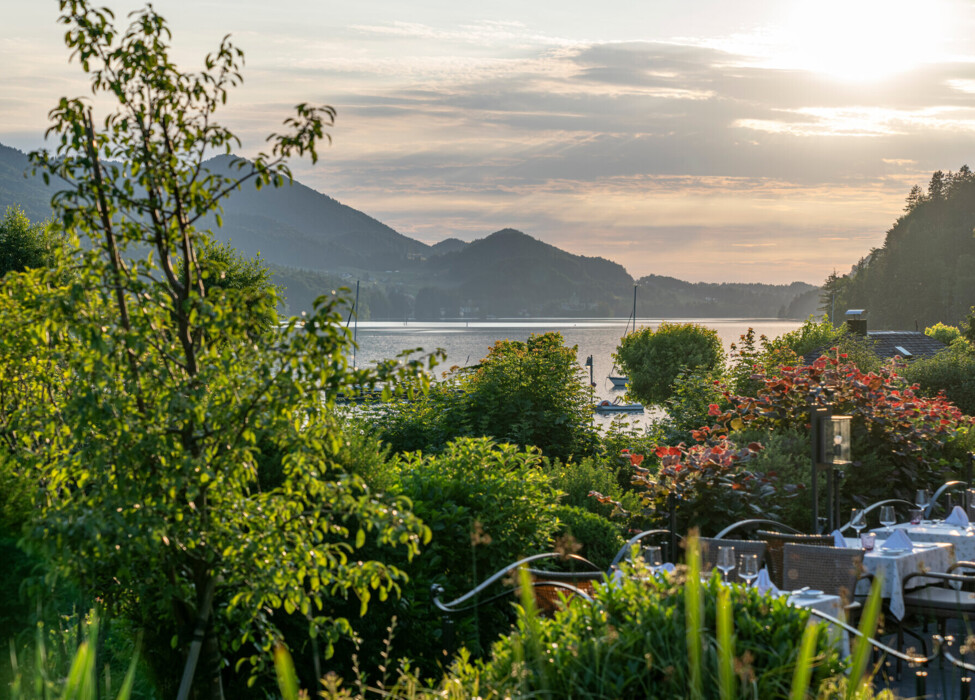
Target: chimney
point(855, 321)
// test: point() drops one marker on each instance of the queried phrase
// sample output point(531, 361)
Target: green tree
point(652, 359)
point(25, 245)
point(148, 452)
point(224, 268)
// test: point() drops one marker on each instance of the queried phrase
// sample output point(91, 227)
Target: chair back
point(709, 553)
point(833, 570)
point(777, 541)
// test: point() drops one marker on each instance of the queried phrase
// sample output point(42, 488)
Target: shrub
point(532, 393)
point(632, 643)
point(893, 425)
point(526, 393)
point(951, 371)
point(487, 505)
point(652, 359)
point(709, 484)
point(695, 393)
point(598, 539)
point(576, 480)
point(943, 333)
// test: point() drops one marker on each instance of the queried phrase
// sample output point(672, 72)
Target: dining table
point(894, 565)
point(963, 538)
point(832, 605)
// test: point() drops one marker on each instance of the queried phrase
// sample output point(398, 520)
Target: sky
point(707, 140)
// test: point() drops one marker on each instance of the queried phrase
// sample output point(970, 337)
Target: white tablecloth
point(962, 539)
point(895, 566)
point(831, 605)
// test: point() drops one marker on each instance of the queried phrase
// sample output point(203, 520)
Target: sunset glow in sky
point(701, 139)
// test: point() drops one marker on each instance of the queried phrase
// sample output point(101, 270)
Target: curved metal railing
point(436, 590)
point(625, 549)
point(947, 486)
point(753, 524)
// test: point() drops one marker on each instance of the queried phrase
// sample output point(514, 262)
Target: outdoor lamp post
point(830, 441)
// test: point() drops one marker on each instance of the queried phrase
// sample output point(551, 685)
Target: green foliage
point(425, 423)
point(785, 461)
point(578, 479)
point(487, 506)
point(711, 483)
point(526, 393)
point(25, 245)
point(925, 271)
point(942, 333)
point(822, 337)
point(631, 643)
point(652, 359)
point(223, 268)
point(695, 395)
point(893, 427)
point(589, 535)
point(951, 371)
point(148, 432)
point(532, 393)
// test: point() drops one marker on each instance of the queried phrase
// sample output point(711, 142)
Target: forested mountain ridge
point(925, 271)
point(660, 296)
point(315, 244)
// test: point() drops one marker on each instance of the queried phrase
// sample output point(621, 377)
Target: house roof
point(909, 345)
point(890, 343)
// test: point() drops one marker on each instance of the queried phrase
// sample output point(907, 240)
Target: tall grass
point(81, 680)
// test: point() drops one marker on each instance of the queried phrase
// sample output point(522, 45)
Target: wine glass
point(921, 499)
point(858, 521)
point(887, 517)
point(748, 568)
point(726, 561)
point(653, 557)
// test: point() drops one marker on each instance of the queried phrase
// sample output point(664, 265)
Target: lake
point(467, 342)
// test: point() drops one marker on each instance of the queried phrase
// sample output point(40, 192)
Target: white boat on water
point(617, 407)
point(620, 382)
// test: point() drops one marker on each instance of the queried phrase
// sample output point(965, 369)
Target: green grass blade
point(125, 692)
point(284, 667)
point(804, 663)
point(726, 645)
point(868, 625)
point(693, 614)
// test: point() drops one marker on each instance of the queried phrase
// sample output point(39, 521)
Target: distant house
point(908, 345)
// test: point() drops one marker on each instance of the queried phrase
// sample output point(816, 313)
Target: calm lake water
point(466, 343)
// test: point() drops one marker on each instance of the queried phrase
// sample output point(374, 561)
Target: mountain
point(29, 193)
point(925, 271)
point(315, 244)
point(510, 273)
point(666, 296)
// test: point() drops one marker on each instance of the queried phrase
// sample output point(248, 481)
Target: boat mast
point(634, 308)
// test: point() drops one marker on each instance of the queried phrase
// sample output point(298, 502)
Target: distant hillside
point(315, 244)
point(510, 273)
point(295, 225)
point(29, 193)
point(666, 296)
point(925, 271)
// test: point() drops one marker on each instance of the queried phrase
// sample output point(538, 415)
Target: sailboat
point(620, 382)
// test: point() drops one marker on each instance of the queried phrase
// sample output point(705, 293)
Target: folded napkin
point(764, 583)
point(958, 517)
point(898, 540)
point(838, 539)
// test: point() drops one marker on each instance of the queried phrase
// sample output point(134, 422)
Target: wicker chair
point(833, 570)
point(709, 553)
point(776, 542)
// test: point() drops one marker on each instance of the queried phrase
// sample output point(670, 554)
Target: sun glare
point(862, 40)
